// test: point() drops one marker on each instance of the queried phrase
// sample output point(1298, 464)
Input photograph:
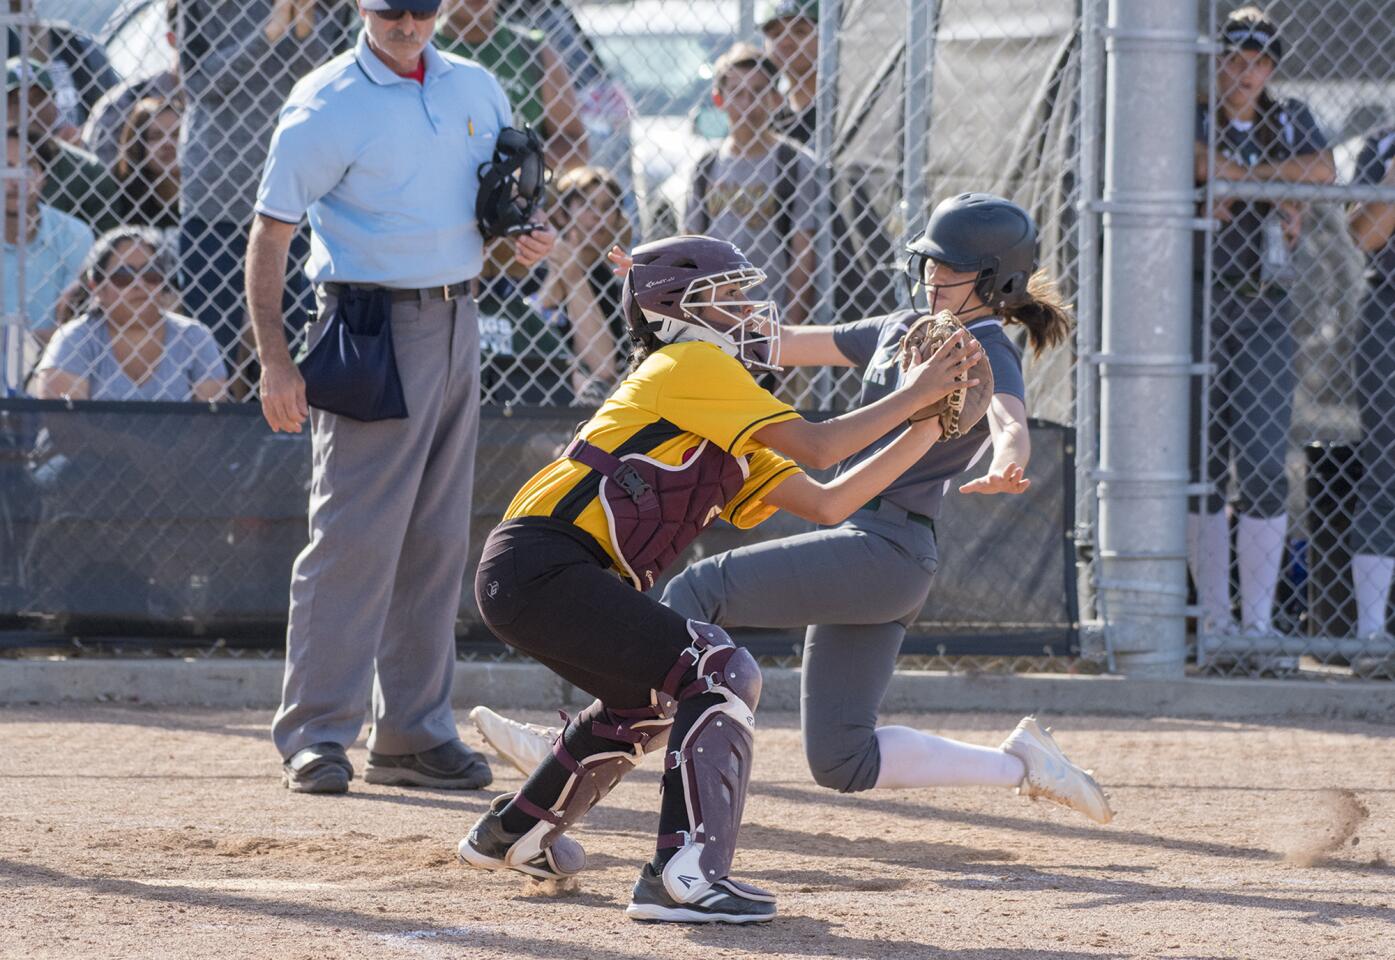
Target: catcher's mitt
point(960, 410)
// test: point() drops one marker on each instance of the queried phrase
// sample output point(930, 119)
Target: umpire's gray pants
point(375, 594)
point(861, 583)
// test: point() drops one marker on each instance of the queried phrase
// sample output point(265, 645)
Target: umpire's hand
point(283, 396)
point(530, 248)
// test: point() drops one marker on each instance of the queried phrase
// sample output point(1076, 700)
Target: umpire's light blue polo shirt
point(385, 168)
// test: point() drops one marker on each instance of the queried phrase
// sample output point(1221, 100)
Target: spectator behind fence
point(581, 284)
point(128, 344)
point(1373, 527)
point(791, 31)
point(756, 189)
point(147, 165)
point(104, 124)
point(235, 79)
point(539, 87)
point(536, 79)
point(78, 64)
point(75, 181)
point(1259, 138)
point(53, 247)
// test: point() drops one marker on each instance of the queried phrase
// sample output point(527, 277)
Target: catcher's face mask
point(747, 329)
point(511, 184)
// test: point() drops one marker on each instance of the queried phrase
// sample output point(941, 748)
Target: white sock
point(914, 759)
point(1259, 546)
point(1208, 546)
point(1371, 575)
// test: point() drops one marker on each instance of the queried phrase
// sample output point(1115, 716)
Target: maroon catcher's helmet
point(671, 279)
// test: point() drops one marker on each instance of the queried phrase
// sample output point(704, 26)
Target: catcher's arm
point(840, 498)
point(823, 444)
point(1012, 448)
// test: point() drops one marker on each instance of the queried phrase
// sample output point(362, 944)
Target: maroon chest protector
point(655, 510)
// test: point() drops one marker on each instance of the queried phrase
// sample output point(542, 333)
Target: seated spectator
point(108, 117)
point(52, 247)
point(581, 284)
point(147, 165)
point(75, 181)
point(81, 71)
point(523, 352)
point(128, 345)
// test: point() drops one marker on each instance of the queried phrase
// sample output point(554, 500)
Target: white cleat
point(1050, 773)
point(525, 745)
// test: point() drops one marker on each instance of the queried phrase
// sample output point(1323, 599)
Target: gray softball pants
point(1251, 398)
point(1373, 527)
point(861, 583)
point(376, 591)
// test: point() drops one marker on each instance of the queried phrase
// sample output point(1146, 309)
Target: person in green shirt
point(75, 181)
point(537, 81)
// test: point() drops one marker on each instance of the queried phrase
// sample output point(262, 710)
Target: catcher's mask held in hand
point(671, 281)
point(511, 184)
point(961, 410)
point(981, 234)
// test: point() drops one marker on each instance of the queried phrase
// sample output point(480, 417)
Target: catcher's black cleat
point(488, 846)
point(725, 901)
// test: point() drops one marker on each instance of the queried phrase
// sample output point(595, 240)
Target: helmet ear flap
point(984, 286)
point(1014, 290)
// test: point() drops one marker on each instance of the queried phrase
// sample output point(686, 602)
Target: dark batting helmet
point(983, 234)
point(670, 279)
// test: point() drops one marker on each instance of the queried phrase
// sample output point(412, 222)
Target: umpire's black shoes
point(450, 766)
point(725, 901)
point(318, 768)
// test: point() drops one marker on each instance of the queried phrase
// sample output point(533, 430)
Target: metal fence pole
point(920, 64)
point(1087, 305)
point(746, 18)
point(1145, 362)
point(14, 326)
point(826, 108)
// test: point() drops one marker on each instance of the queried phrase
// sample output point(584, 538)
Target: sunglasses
point(421, 16)
point(125, 276)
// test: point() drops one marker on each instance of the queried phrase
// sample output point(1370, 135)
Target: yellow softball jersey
point(681, 395)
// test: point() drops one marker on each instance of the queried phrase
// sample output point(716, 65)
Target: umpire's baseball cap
point(789, 10)
point(1249, 29)
point(411, 6)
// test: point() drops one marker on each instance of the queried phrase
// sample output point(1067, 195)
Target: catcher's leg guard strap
point(634, 732)
point(714, 760)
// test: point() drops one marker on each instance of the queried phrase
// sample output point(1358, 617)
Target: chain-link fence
point(819, 149)
point(1292, 550)
point(161, 117)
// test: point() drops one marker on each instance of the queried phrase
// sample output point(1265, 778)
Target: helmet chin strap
point(961, 314)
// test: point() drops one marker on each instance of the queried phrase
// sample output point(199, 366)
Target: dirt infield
point(130, 832)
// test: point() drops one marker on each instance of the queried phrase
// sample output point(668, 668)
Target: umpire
point(380, 148)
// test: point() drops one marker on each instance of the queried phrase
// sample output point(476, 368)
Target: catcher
point(863, 581)
point(687, 437)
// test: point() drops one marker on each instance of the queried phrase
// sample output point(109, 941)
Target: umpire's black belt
point(446, 291)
